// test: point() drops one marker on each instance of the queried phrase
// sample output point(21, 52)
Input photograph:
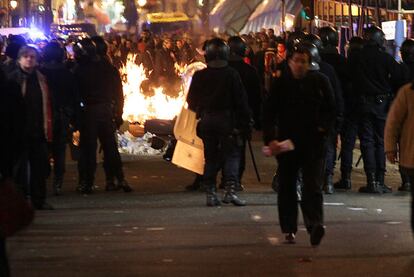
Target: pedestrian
point(399, 135)
point(218, 97)
point(37, 129)
point(299, 115)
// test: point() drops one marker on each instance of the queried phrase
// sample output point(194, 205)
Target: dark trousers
point(32, 171)
point(312, 199)
point(220, 152)
point(97, 124)
point(410, 174)
point(331, 155)
point(371, 134)
point(4, 264)
point(59, 156)
point(348, 137)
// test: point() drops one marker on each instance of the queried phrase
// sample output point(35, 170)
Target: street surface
point(162, 230)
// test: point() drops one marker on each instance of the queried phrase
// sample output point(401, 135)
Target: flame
point(139, 107)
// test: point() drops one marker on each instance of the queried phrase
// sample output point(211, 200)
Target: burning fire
point(139, 107)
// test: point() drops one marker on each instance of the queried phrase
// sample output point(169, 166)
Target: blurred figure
point(399, 135)
point(65, 99)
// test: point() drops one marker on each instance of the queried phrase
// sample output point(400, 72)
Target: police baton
point(253, 160)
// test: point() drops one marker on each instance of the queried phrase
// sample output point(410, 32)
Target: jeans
point(220, 152)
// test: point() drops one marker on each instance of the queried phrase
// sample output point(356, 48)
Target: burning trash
point(152, 111)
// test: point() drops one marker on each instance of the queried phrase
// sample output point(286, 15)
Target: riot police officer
point(314, 44)
point(350, 126)
point(61, 84)
point(218, 97)
point(251, 83)
point(375, 75)
point(98, 95)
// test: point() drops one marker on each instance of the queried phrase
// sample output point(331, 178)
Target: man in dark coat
point(32, 169)
point(301, 108)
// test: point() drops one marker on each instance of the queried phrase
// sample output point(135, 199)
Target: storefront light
point(13, 4)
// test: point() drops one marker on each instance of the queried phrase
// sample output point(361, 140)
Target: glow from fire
point(139, 107)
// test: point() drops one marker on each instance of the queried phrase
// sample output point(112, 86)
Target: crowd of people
point(296, 88)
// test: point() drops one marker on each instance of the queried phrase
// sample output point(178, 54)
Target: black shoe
point(372, 185)
point(343, 184)
point(125, 186)
point(328, 187)
point(290, 238)
point(318, 231)
point(385, 188)
point(239, 187)
point(110, 186)
point(44, 207)
point(212, 199)
point(405, 187)
point(57, 187)
point(84, 188)
point(370, 189)
point(230, 195)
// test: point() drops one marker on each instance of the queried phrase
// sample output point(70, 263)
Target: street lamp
point(142, 3)
point(13, 4)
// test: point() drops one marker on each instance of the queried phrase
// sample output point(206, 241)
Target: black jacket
point(301, 110)
point(217, 92)
point(65, 98)
point(12, 119)
point(99, 82)
point(251, 82)
point(329, 71)
point(374, 72)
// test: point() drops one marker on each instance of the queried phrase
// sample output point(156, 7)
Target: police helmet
point(237, 46)
point(407, 51)
point(53, 52)
point(294, 38)
point(329, 36)
point(314, 39)
point(216, 49)
point(101, 46)
point(315, 58)
point(85, 49)
point(374, 36)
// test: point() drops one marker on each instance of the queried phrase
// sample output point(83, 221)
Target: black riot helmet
point(85, 50)
point(407, 51)
point(314, 39)
point(315, 58)
point(329, 36)
point(355, 44)
point(101, 46)
point(237, 46)
point(216, 49)
point(293, 39)
point(374, 36)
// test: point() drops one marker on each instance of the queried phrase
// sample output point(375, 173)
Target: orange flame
point(138, 107)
